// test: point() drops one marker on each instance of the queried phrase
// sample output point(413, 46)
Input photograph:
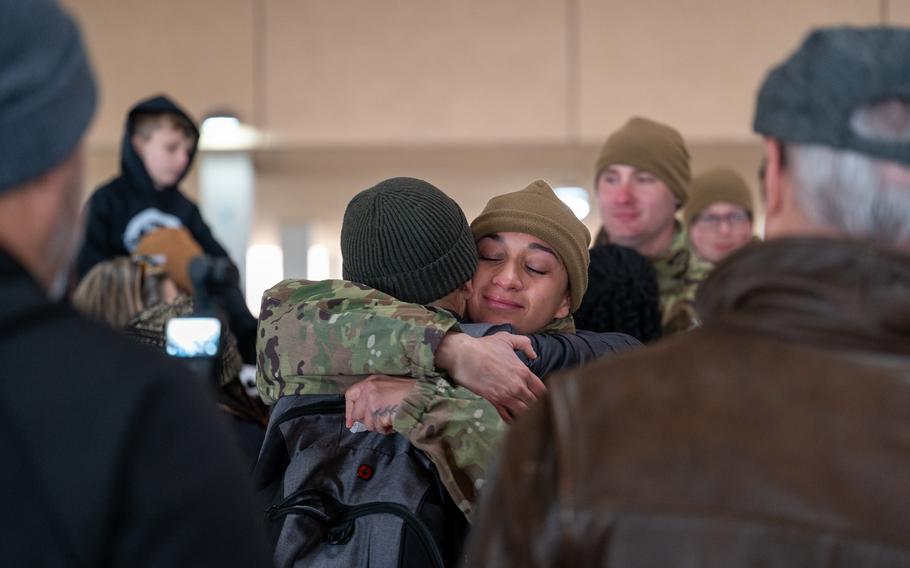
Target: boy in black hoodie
point(159, 143)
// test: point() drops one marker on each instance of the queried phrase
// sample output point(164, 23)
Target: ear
point(774, 198)
point(467, 290)
point(138, 143)
point(564, 307)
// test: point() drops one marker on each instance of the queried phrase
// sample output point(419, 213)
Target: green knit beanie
point(651, 147)
point(536, 211)
point(719, 184)
point(408, 239)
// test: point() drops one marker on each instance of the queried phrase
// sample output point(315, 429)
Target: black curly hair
point(622, 294)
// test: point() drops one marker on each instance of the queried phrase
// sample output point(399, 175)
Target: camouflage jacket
point(679, 273)
point(321, 337)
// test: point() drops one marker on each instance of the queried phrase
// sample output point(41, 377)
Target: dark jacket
point(112, 455)
point(776, 435)
point(560, 350)
point(126, 208)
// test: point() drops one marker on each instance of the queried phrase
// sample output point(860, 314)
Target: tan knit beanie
point(536, 211)
point(719, 184)
point(178, 247)
point(652, 147)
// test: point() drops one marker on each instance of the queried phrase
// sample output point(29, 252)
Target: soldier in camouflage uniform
point(324, 337)
point(642, 179)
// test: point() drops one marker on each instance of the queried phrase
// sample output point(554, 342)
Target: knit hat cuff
point(630, 157)
point(432, 281)
point(717, 185)
point(575, 258)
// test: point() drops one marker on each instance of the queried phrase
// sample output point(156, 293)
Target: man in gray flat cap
point(112, 456)
point(777, 434)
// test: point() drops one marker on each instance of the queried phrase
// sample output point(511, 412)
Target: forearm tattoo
point(386, 411)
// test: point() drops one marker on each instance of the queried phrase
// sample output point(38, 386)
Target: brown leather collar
point(838, 293)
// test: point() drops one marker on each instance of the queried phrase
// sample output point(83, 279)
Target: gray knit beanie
point(408, 239)
point(47, 91)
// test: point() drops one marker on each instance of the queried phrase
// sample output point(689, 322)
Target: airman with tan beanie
point(719, 214)
point(533, 265)
point(642, 178)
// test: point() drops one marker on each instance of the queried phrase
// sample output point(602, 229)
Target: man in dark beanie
point(405, 245)
point(103, 439)
point(407, 238)
point(642, 178)
point(777, 433)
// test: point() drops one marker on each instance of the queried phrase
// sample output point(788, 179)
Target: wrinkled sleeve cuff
point(414, 406)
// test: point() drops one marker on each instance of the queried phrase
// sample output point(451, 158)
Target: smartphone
point(196, 340)
point(193, 337)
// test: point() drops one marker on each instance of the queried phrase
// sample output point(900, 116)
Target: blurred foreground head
point(47, 99)
point(836, 121)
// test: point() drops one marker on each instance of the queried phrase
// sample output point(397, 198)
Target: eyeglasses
point(713, 222)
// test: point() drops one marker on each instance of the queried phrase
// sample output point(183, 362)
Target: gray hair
point(852, 192)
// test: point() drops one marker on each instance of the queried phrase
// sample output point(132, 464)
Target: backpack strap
point(273, 457)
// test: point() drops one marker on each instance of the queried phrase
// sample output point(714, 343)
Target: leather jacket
point(778, 434)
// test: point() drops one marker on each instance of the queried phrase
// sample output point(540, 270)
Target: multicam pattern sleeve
point(312, 333)
point(679, 273)
point(458, 430)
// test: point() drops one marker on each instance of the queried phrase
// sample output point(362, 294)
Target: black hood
point(131, 164)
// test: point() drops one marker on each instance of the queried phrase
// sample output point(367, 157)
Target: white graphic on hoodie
point(144, 223)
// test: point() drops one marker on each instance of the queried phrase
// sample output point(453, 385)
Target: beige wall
point(478, 97)
point(695, 64)
point(200, 52)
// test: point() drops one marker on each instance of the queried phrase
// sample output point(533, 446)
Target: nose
point(724, 225)
point(507, 276)
point(623, 193)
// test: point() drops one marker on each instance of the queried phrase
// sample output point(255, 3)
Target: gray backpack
point(342, 499)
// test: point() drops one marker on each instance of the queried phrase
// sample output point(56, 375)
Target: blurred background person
point(157, 150)
point(719, 214)
point(642, 178)
point(140, 294)
point(236, 396)
point(114, 291)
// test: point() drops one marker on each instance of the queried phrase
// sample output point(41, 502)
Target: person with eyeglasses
point(718, 215)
